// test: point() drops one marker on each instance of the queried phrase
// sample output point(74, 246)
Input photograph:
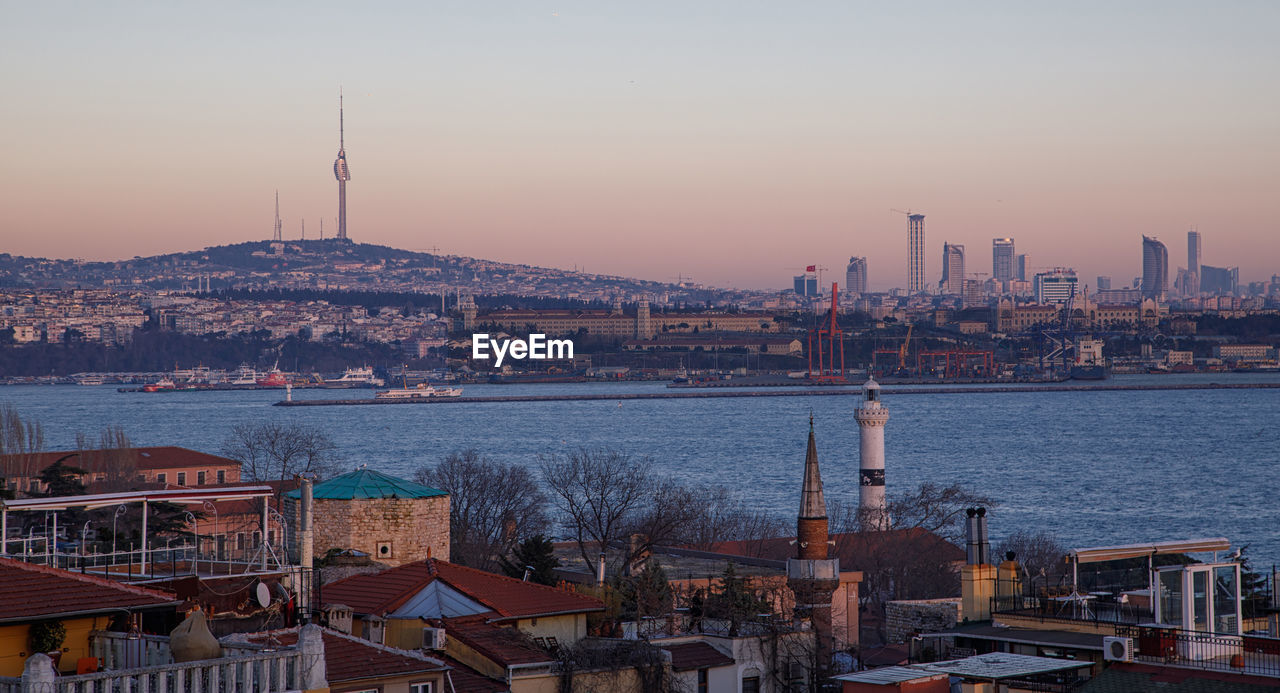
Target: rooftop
point(508, 598)
point(29, 592)
point(366, 483)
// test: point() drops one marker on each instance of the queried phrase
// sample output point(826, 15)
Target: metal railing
point(267, 671)
point(1249, 654)
point(1072, 609)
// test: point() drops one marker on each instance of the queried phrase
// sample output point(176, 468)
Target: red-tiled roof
point(502, 645)
point(696, 655)
point(96, 461)
point(383, 592)
point(29, 592)
point(467, 680)
point(514, 598)
point(854, 549)
point(348, 658)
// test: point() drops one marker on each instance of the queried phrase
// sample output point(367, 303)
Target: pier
point(826, 392)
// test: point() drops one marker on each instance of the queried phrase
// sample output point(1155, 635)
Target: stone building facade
point(392, 520)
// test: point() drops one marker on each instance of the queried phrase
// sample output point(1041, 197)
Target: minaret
point(343, 174)
point(872, 415)
point(812, 576)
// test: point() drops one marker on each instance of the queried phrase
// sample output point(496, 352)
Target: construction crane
point(902, 350)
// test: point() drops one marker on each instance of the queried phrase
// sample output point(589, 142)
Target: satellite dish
point(264, 595)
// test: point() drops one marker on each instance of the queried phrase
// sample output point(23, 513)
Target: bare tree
point(1040, 553)
point(600, 492)
point(493, 506)
point(269, 451)
point(725, 516)
point(908, 559)
point(112, 456)
point(21, 442)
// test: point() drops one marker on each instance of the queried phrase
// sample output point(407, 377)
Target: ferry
point(246, 375)
point(422, 391)
point(357, 377)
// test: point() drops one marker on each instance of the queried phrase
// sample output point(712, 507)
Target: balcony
point(144, 664)
point(1248, 655)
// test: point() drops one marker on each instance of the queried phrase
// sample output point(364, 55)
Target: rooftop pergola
point(145, 498)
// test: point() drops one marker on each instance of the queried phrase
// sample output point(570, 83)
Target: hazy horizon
point(731, 142)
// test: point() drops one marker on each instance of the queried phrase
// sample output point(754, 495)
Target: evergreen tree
point(61, 479)
point(647, 593)
point(536, 553)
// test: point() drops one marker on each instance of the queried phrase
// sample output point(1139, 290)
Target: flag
point(811, 268)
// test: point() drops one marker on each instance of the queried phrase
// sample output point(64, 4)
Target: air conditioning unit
point(1116, 649)
point(433, 639)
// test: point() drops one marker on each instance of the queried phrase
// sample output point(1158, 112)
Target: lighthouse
point(872, 415)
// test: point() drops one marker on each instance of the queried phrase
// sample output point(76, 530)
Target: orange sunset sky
point(727, 141)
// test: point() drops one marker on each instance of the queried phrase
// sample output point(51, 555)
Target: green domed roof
point(366, 483)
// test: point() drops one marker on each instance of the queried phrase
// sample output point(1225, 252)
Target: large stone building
point(393, 520)
point(616, 323)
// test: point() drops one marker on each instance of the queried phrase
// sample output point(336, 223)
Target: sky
point(731, 142)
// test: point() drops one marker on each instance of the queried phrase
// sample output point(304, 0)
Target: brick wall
point(904, 618)
point(408, 528)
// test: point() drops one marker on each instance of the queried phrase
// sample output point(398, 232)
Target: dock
point(712, 394)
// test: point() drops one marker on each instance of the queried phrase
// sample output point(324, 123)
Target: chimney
point(977, 576)
point(600, 571)
point(306, 550)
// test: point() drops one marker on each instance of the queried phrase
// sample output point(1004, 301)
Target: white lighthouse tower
point(872, 415)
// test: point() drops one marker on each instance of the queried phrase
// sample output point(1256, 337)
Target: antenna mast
point(279, 225)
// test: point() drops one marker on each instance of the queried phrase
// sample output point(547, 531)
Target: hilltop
point(333, 264)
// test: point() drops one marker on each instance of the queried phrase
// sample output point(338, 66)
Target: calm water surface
point(1091, 467)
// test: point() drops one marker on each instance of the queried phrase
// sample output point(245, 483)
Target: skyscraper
point(343, 174)
point(1002, 259)
point(1104, 283)
point(915, 253)
point(1193, 282)
point(952, 269)
point(855, 277)
point(1193, 251)
point(1155, 269)
point(1021, 265)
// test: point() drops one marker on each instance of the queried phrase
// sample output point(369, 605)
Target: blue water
point(1094, 468)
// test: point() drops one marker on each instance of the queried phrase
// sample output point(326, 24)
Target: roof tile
point(30, 592)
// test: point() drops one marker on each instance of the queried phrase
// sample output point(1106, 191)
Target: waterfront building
point(1155, 269)
point(643, 325)
point(1002, 259)
point(915, 254)
point(952, 269)
point(1057, 286)
point(855, 277)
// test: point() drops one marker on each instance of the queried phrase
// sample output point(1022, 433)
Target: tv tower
point(279, 225)
point(343, 174)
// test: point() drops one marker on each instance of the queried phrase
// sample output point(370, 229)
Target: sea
point(1093, 468)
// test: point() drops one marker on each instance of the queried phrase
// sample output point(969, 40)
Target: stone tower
point(812, 575)
point(872, 415)
point(468, 306)
point(393, 520)
point(644, 326)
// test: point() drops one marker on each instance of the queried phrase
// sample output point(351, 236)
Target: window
point(239, 541)
point(422, 687)
point(702, 681)
point(200, 478)
point(222, 476)
point(162, 478)
point(182, 478)
point(751, 684)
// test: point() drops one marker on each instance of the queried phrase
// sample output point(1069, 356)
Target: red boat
point(274, 379)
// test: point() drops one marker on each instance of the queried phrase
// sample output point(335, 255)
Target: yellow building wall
point(15, 645)
point(567, 629)
point(625, 681)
